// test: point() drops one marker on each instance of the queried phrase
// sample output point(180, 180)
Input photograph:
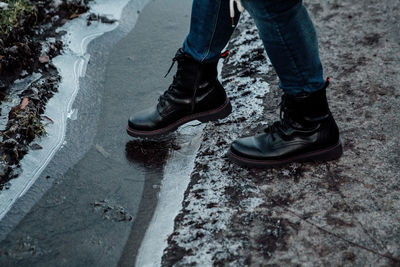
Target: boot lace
point(175, 83)
point(284, 121)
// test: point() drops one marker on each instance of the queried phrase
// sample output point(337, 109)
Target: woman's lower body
point(306, 130)
point(285, 28)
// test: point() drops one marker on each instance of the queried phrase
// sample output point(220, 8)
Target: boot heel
point(330, 154)
point(217, 114)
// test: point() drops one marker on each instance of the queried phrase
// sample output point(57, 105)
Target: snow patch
point(3, 5)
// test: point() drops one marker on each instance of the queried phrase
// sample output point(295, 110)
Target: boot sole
point(211, 115)
point(327, 154)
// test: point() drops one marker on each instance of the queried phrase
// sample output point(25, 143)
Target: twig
point(397, 260)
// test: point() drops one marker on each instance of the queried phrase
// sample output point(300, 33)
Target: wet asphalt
point(92, 204)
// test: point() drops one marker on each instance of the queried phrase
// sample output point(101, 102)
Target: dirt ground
point(345, 212)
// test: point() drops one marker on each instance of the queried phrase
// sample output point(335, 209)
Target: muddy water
point(94, 200)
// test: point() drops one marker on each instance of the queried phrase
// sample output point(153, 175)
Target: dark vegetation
point(25, 27)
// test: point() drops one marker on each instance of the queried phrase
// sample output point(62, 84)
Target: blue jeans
point(285, 28)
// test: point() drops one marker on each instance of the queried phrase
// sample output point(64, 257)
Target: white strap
point(232, 9)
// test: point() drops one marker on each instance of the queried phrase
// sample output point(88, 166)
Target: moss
point(11, 16)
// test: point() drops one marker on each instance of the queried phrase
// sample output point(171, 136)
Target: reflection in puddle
point(150, 153)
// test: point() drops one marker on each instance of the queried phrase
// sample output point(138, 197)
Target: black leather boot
point(195, 94)
point(306, 132)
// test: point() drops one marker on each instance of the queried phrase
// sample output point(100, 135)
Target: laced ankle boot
point(306, 132)
point(195, 94)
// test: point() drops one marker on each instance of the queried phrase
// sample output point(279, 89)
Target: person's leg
point(290, 41)
point(195, 93)
point(306, 130)
point(210, 30)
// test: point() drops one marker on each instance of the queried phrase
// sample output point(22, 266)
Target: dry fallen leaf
point(48, 119)
point(75, 15)
point(44, 59)
point(24, 103)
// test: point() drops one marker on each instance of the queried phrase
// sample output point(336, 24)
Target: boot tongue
point(192, 73)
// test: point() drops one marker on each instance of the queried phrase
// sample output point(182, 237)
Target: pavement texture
point(345, 212)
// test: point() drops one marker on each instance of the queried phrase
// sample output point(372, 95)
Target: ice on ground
point(175, 181)
point(72, 66)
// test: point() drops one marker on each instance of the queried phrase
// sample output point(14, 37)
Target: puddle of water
point(72, 65)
